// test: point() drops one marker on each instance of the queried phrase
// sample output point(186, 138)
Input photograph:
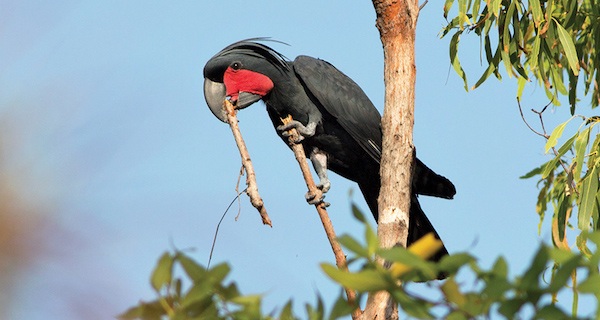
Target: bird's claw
point(302, 130)
point(316, 198)
point(297, 138)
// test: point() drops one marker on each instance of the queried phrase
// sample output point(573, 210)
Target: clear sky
point(106, 135)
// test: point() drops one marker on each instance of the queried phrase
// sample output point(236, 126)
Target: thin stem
point(340, 257)
point(252, 189)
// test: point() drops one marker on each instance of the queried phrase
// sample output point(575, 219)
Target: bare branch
point(252, 188)
point(545, 135)
point(340, 257)
point(526, 123)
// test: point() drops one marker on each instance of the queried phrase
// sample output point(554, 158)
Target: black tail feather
point(428, 183)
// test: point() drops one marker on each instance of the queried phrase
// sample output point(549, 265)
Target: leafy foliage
point(208, 296)
point(557, 43)
point(569, 182)
point(493, 291)
point(553, 41)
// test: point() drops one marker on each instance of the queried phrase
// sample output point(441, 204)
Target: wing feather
point(344, 100)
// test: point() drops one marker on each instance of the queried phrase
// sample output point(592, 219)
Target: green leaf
point(532, 173)
point(351, 244)
point(341, 308)
point(500, 267)
point(521, 82)
point(407, 258)
point(589, 189)
point(553, 164)
point(319, 312)
point(559, 280)
point(556, 75)
point(161, 276)
point(568, 46)
point(358, 214)
point(530, 280)
point(363, 281)
point(250, 306)
point(495, 7)
point(506, 38)
point(452, 292)
point(145, 310)
point(591, 284)
point(286, 312)
point(447, 6)
point(507, 63)
point(564, 210)
point(496, 287)
point(218, 273)
point(581, 242)
point(193, 270)
point(536, 10)
point(372, 240)
point(535, 53)
point(413, 306)
point(198, 298)
point(230, 291)
point(581, 143)
point(451, 263)
point(486, 74)
point(556, 134)
point(551, 311)
point(454, 58)
point(475, 9)
point(510, 307)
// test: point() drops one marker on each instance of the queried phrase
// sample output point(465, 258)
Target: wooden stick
point(252, 190)
point(340, 257)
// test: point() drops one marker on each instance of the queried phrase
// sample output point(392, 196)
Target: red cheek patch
point(242, 80)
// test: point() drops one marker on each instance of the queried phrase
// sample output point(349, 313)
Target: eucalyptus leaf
point(568, 46)
point(587, 205)
point(162, 274)
point(363, 281)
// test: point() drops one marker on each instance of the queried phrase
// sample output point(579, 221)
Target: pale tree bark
point(396, 21)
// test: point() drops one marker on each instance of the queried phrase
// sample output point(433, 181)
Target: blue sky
point(105, 128)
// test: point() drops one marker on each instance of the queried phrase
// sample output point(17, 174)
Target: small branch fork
point(252, 190)
point(546, 136)
point(340, 257)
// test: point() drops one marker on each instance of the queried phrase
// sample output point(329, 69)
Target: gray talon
point(303, 131)
point(311, 198)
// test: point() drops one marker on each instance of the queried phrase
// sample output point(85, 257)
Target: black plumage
point(340, 126)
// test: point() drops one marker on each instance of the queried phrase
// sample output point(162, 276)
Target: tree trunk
point(396, 21)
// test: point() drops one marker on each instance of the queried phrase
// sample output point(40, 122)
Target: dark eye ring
point(236, 65)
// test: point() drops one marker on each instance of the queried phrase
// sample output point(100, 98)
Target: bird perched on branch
point(339, 127)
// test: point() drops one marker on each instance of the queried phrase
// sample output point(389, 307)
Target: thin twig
point(545, 135)
point(527, 123)
point(340, 257)
point(212, 247)
point(539, 113)
point(237, 190)
point(252, 189)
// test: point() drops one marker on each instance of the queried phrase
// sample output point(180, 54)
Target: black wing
point(343, 99)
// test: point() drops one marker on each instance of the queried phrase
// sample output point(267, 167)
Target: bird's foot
point(303, 131)
point(316, 198)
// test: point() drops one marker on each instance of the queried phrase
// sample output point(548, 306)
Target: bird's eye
point(236, 66)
